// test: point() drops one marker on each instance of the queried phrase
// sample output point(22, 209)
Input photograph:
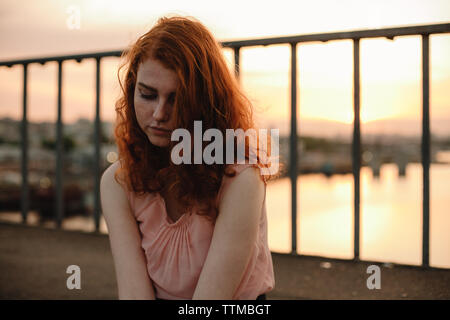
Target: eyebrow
point(146, 86)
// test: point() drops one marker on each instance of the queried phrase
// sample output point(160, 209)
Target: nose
point(161, 113)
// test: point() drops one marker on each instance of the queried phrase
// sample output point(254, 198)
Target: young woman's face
point(154, 96)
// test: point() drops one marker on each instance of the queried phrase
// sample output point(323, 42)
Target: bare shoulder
point(108, 174)
point(249, 178)
point(113, 194)
point(246, 189)
point(108, 177)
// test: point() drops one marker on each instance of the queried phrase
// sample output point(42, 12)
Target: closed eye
point(149, 96)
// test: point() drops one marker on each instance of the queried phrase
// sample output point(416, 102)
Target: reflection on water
point(391, 215)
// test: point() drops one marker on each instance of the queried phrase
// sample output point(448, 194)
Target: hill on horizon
point(327, 128)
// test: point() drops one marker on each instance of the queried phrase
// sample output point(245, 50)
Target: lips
point(162, 129)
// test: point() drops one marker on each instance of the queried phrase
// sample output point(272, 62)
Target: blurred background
point(391, 181)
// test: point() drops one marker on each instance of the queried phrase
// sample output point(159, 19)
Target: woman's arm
point(129, 260)
point(234, 237)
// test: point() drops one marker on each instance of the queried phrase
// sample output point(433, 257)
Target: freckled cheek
point(143, 112)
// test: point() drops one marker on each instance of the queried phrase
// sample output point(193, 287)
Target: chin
point(159, 141)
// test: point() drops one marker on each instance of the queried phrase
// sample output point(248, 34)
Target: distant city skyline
point(315, 127)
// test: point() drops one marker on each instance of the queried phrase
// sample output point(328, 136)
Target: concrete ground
point(33, 263)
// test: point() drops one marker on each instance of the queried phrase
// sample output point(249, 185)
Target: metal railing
point(59, 203)
point(424, 31)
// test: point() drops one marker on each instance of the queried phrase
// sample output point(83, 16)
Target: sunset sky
point(390, 70)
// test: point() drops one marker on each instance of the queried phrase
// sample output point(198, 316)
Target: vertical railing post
point(24, 160)
point(59, 203)
point(97, 141)
point(236, 61)
point(293, 172)
point(426, 150)
point(356, 148)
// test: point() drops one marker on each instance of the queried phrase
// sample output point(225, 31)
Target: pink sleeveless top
point(176, 251)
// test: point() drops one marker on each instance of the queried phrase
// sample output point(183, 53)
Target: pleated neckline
point(168, 221)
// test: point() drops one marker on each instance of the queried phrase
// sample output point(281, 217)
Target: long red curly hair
point(207, 91)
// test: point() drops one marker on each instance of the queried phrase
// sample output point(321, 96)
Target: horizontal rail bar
point(357, 34)
point(77, 57)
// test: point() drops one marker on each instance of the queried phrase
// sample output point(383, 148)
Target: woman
point(190, 230)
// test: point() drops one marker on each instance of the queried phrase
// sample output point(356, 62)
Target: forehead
point(153, 73)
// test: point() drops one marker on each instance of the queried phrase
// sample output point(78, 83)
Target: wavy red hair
point(207, 91)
